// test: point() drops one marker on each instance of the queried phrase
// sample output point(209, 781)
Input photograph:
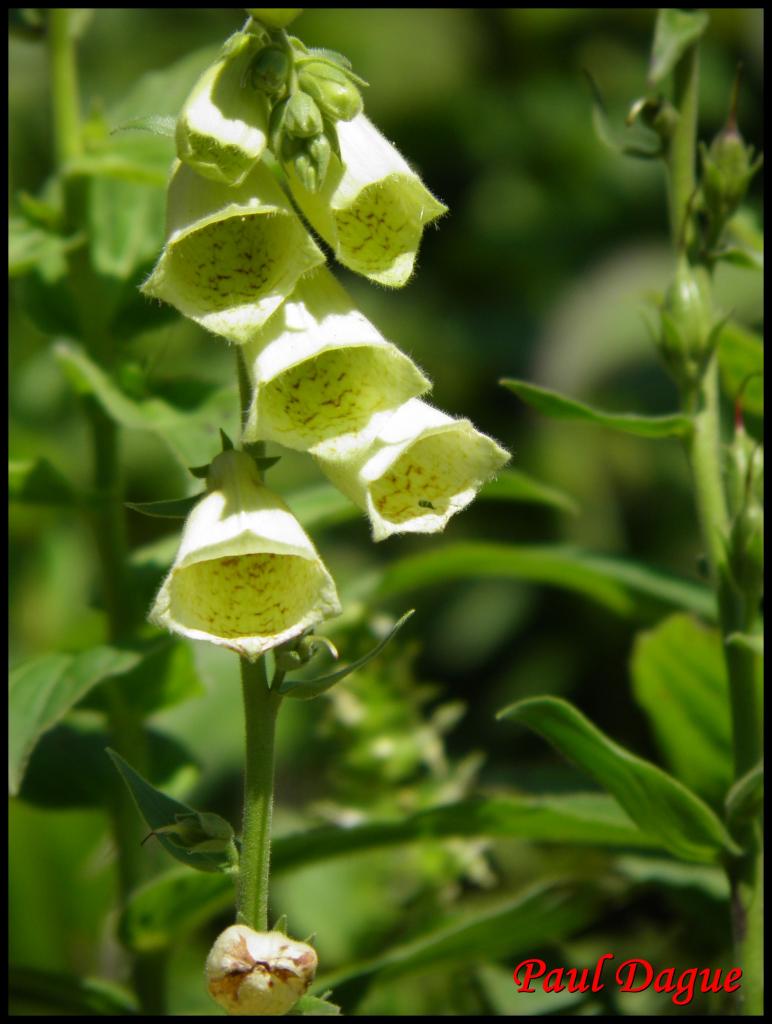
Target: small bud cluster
point(745, 542)
point(240, 262)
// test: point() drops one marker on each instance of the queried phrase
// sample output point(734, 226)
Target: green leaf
point(321, 505)
point(307, 689)
point(159, 811)
point(745, 800)
point(38, 483)
point(741, 364)
point(659, 804)
point(658, 871)
point(189, 427)
point(155, 125)
point(605, 133)
point(49, 991)
point(506, 1001)
point(166, 908)
point(550, 403)
point(314, 1006)
point(126, 225)
point(42, 691)
point(29, 246)
point(514, 485)
point(68, 769)
point(501, 928)
point(175, 508)
point(629, 589)
point(166, 676)
point(159, 914)
point(679, 680)
point(751, 641)
point(676, 30)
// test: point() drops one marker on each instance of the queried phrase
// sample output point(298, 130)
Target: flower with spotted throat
point(421, 468)
point(253, 973)
point(372, 208)
point(320, 370)
point(232, 255)
point(246, 575)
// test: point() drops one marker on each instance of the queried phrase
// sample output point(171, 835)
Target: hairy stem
point(261, 706)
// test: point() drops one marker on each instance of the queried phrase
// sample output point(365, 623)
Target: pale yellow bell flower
point(232, 255)
point(422, 467)
point(372, 208)
point(258, 974)
point(319, 369)
point(246, 576)
point(221, 131)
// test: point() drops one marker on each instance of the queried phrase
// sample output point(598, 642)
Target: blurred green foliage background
point(552, 249)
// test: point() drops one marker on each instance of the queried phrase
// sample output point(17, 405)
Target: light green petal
point(420, 470)
point(246, 576)
point(319, 369)
point(221, 131)
point(373, 207)
point(232, 254)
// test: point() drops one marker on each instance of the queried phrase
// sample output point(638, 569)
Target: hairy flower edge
point(246, 575)
point(422, 468)
point(319, 369)
point(373, 207)
point(232, 255)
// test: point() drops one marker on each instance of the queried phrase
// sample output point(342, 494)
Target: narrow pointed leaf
point(550, 403)
point(675, 31)
point(59, 993)
point(745, 800)
point(38, 483)
point(514, 485)
point(160, 810)
point(175, 508)
point(307, 689)
point(657, 803)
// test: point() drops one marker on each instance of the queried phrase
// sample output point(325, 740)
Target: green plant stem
point(736, 611)
point(64, 86)
point(261, 706)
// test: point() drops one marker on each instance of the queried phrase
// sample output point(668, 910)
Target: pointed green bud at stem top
point(420, 469)
point(221, 131)
point(372, 208)
point(232, 254)
point(269, 70)
point(246, 576)
point(302, 119)
point(276, 17)
point(689, 328)
point(320, 370)
point(253, 973)
point(336, 95)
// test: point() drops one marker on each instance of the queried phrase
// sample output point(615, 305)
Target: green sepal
point(307, 689)
point(227, 444)
point(200, 472)
point(175, 508)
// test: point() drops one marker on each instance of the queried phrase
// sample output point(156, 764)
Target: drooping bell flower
point(246, 576)
point(372, 208)
point(320, 370)
point(221, 131)
point(422, 467)
point(232, 255)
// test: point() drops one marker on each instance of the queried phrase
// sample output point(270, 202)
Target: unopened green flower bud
point(302, 118)
point(200, 832)
point(372, 208)
point(746, 548)
point(256, 974)
point(320, 370)
point(269, 70)
point(277, 17)
point(232, 254)
point(311, 162)
point(246, 576)
point(221, 131)
point(689, 331)
point(727, 169)
point(337, 96)
point(745, 471)
point(420, 469)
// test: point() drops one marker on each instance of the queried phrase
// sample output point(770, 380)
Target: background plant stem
point(261, 706)
point(737, 612)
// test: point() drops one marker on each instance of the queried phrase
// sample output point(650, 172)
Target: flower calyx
point(689, 328)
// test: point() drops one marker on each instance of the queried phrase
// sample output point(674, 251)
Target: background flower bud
point(246, 576)
point(221, 130)
point(232, 254)
point(688, 325)
point(253, 973)
point(319, 369)
point(422, 468)
point(372, 208)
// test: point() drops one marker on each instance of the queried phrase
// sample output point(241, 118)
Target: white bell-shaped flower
point(221, 131)
point(246, 575)
point(422, 468)
point(319, 370)
point(258, 974)
point(232, 255)
point(372, 208)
